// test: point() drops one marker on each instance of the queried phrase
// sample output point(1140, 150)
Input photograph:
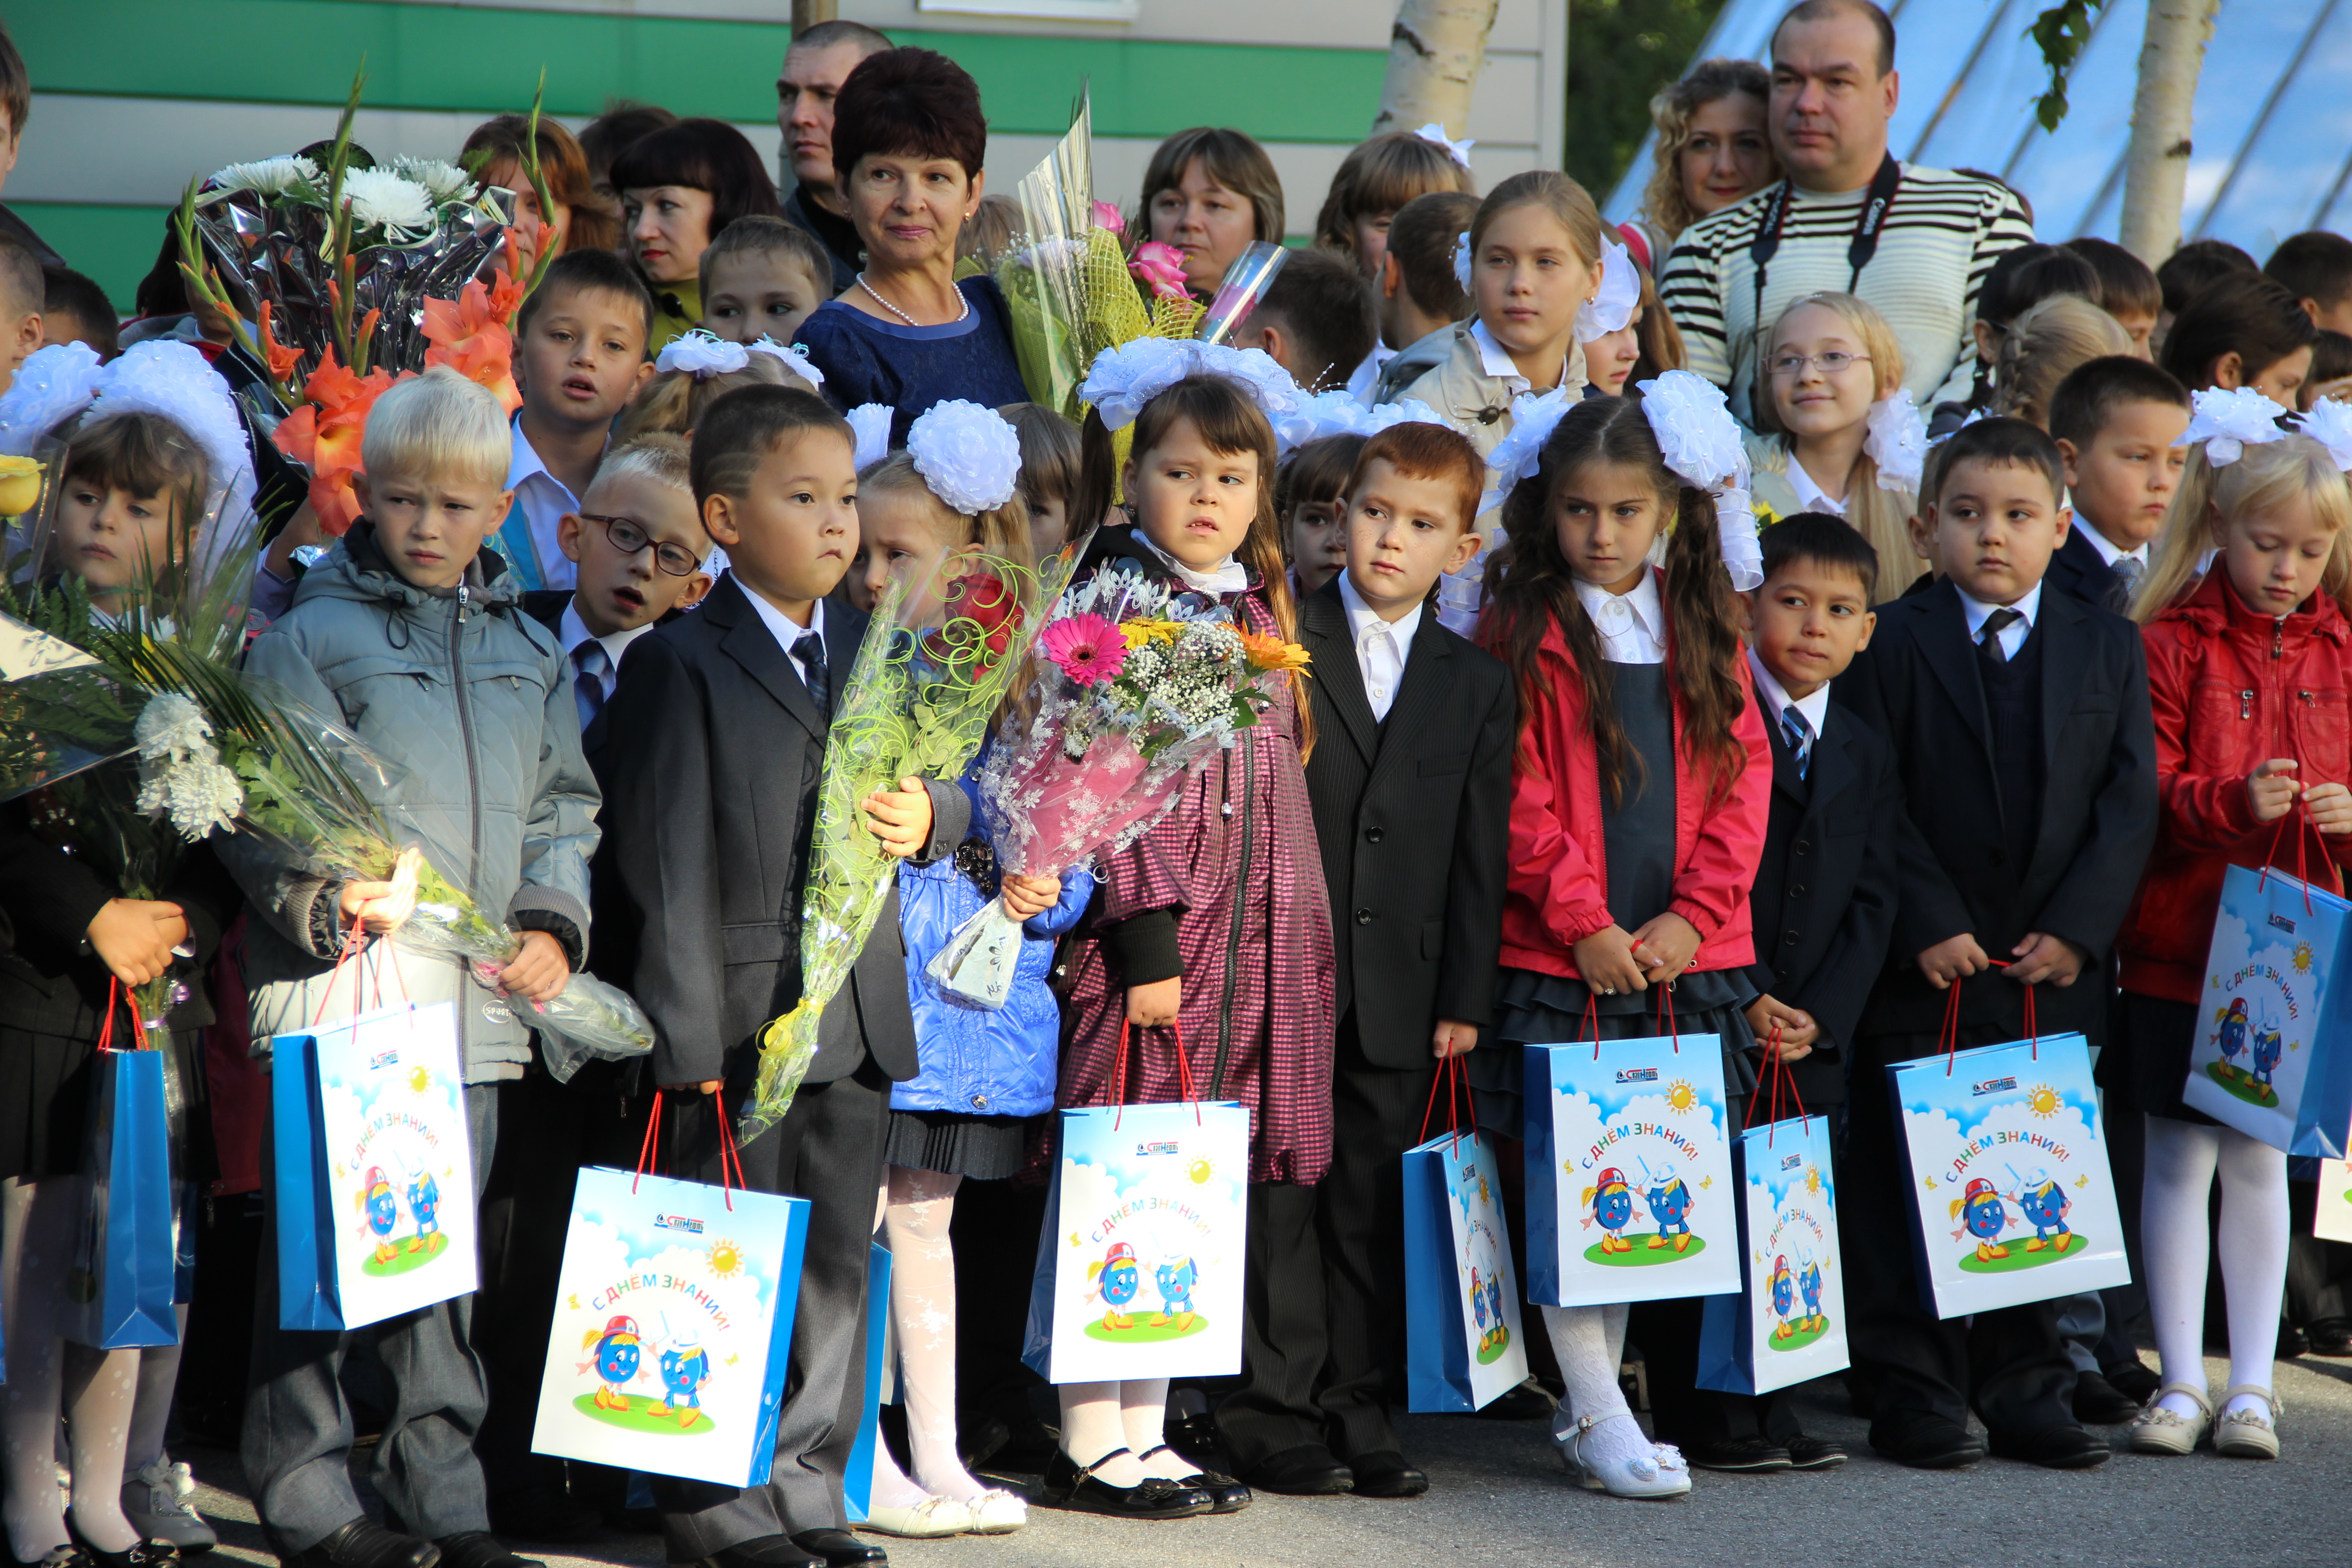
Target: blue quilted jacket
point(975, 1061)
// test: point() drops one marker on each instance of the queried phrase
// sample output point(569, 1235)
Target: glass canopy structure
point(2272, 137)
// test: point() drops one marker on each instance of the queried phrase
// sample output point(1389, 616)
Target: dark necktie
point(1800, 736)
point(809, 648)
point(2129, 571)
point(1988, 635)
point(590, 660)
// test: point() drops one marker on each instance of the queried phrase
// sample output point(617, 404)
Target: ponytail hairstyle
point(2043, 347)
point(2211, 499)
point(1229, 419)
point(1529, 586)
point(1881, 516)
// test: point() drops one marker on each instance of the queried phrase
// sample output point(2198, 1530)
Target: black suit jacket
point(1414, 819)
point(1826, 886)
point(2078, 571)
point(709, 814)
point(1917, 685)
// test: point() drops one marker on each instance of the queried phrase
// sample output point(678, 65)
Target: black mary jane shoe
point(146, 1555)
point(1226, 1495)
point(1069, 1485)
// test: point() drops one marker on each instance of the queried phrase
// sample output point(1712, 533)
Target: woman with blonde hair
point(2043, 346)
point(1840, 435)
point(1712, 150)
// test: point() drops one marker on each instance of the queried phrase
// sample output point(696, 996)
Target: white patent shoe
point(1655, 1476)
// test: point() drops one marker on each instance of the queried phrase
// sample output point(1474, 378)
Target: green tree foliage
point(1620, 53)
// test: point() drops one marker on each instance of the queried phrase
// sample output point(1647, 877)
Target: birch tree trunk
point(2155, 167)
point(1435, 51)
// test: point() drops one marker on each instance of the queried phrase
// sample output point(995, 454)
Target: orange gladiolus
point(467, 337)
point(324, 435)
point(282, 360)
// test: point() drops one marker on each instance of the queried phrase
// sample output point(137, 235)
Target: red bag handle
point(1185, 1086)
point(1454, 1078)
point(2300, 847)
point(730, 1158)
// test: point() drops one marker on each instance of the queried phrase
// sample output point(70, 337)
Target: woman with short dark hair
point(907, 142)
point(679, 186)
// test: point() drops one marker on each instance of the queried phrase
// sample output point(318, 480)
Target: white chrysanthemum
point(970, 456)
point(442, 180)
point(288, 175)
point(197, 793)
point(2329, 423)
point(1898, 441)
point(870, 422)
point(172, 727)
point(382, 199)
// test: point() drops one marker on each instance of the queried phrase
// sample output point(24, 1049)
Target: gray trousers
point(827, 1149)
point(296, 1444)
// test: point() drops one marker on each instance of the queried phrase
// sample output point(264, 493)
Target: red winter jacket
point(2232, 689)
point(1558, 891)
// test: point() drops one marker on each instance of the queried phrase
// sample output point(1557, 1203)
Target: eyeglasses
point(1834, 363)
point(628, 537)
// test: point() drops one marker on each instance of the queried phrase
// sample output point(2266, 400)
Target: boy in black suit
point(2117, 422)
point(1410, 786)
point(1824, 903)
point(2021, 727)
point(641, 496)
point(713, 803)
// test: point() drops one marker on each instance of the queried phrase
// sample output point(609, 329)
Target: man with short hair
point(819, 60)
point(1914, 242)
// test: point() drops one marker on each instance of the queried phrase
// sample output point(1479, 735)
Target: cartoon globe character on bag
point(1478, 1311)
point(685, 1368)
point(1116, 1280)
point(382, 1209)
point(617, 1350)
point(1784, 1297)
point(1611, 1199)
point(1670, 1202)
point(425, 1203)
point(1176, 1279)
point(2044, 1204)
point(1809, 1282)
point(2230, 1037)
point(2268, 1047)
point(1495, 1307)
point(1982, 1215)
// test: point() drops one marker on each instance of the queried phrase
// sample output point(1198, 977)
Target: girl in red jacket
point(1638, 809)
point(2247, 671)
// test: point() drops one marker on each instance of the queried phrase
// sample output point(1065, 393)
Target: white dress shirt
point(1811, 496)
point(1632, 624)
point(540, 499)
point(575, 631)
point(780, 627)
point(1382, 646)
point(1777, 700)
point(1359, 384)
point(2108, 553)
point(2012, 636)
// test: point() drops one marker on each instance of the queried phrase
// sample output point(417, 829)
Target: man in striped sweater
point(1914, 242)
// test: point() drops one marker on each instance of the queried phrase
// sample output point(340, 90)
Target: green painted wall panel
point(116, 246)
point(468, 57)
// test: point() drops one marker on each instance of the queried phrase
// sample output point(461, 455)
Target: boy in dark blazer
point(2020, 721)
point(2117, 422)
point(714, 799)
point(1410, 784)
point(1824, 903)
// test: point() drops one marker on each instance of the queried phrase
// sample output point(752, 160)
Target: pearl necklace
point(871, 293)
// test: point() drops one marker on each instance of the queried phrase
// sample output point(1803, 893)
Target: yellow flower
point(1144, 629)
point(1273, 653)
point(20, 485)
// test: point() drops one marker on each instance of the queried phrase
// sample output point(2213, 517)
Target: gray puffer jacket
point(466, 695)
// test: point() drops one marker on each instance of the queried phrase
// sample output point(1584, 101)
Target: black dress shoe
point(365, 1544)
point(762, 1551)
point(2098, 1402)
point(2330, 1337)
point(1192, 1435)
point(1307, 1470)
point(1741, 1456)
point(145, 1554)
point(838, 1548)
point(2134, 1380)
point(1067, 1484)
point(2063, 1447)
point(1226, 1495)
point(2291, 1342)
point(1814, 1454)
point(480, 1548)
point(1527, 1402)
point(541, 1513)
point(67, 1556)
point(977, 1442)
point(1387, 1474)
point(1931, 1444)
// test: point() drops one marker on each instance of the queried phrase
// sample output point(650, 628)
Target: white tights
point(95, 1390)
point(1099, 1417)
point(918, 1206)
point(2182, 1159)
point(1588, 1343)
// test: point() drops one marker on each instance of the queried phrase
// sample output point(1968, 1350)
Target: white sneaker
point(1651, 1477)
point(997, 1512)
point(928, 1521)
point(159, 1503)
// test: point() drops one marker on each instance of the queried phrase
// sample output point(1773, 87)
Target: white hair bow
point(1613, 304)
point(970, 456)
point(2228, 420)
point(2329, 423)
point(1517, 455)
point(1898, 441)
point(1700, 442)
point(1458, 151)
point(870, 427)
point(704, 353)
point(1126, 377)
point(796, 360)
point(174, 380)
point(1462, 260)
point(1338, 414)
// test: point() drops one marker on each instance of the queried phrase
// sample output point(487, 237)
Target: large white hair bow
point(970, 456)
point(1126, 377)
point(704, 353)
point(1700, 442)
point(795, 359)
point(1458, 151)
point(2228, 420)
point(1897, 442)
point(1517, 455)
point(869, 429)
point(1462, 260)
point(1338, 414)
point(2329, 423)
point(1620, 294)
point(52, 384)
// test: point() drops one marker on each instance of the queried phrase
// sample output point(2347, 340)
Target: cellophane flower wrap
point(1069, 286)
point(1139, 685)
point(941, 656)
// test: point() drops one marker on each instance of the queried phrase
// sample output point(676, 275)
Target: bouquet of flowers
point(1140, 685)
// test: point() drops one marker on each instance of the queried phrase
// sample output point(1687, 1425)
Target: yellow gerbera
point(1144, 629)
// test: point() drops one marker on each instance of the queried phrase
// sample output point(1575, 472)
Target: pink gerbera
point(1089, 649)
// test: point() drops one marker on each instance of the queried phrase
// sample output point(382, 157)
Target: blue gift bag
point(2270, 1057)
point(1629, 1171)
point(1463, 1347)
point(2012, 1198)
point(121, 1280)
point(857, 1480)
point(1788, 1323)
